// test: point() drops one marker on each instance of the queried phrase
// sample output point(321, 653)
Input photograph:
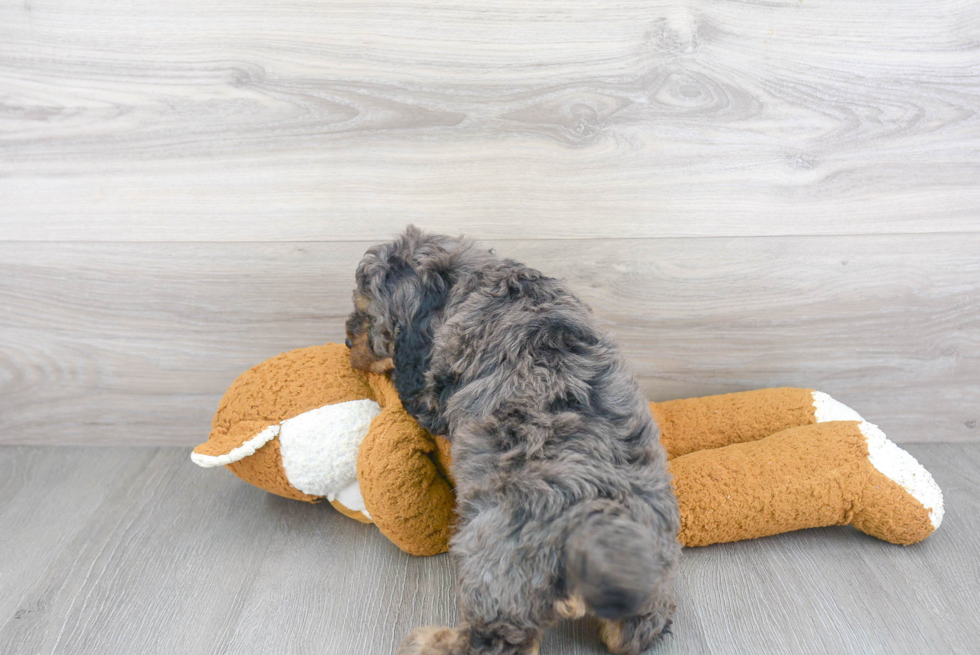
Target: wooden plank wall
point(749, 194)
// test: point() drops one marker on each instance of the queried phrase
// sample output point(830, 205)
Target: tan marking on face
point(571, 608)
point(382, 366)
point(361, 357)
point(361, 302)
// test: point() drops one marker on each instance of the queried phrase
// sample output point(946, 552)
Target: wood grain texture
point(146, 553)
point(336, 120)
point(135, 343)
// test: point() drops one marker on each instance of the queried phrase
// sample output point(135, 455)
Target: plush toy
point(305, 425)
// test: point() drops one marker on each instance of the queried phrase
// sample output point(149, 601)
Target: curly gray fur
point(562, 487)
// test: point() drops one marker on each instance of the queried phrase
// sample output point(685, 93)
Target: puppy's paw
point(573, 607)
point(431, 640)
point(634, 635)
point(612, 635)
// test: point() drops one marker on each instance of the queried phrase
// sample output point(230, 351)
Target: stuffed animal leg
point(691, 424)
point(833, 473)
point(762, 462)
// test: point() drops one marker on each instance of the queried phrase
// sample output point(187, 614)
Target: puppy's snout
point(348, 343)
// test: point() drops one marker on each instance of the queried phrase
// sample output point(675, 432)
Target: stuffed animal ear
point(241, 441)
point(250, 450)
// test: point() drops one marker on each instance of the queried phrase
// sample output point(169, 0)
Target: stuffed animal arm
point(305, 425)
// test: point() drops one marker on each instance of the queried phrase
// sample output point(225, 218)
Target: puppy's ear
point(413, 353)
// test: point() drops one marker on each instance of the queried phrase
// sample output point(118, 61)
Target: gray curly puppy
point(564, 500)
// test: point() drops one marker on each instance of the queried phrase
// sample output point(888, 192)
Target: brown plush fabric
point(288, 385)
point(444, 458)
point(744, 465)
point(226, 438)
point(693, 424)
point(278, 389)
point(408, 499)
point(264, 470)
point(810, 476)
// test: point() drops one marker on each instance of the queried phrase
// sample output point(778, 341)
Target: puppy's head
point(363, 354)
point(402, 288)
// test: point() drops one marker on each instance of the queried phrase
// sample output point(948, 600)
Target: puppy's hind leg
point(633, 635)
point(499, 616)
point(432, 640)
point(622, 564)
point(497, 638)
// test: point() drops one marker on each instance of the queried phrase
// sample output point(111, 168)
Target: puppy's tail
point(617, 565)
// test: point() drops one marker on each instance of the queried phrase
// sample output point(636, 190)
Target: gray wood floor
point(135, 550)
